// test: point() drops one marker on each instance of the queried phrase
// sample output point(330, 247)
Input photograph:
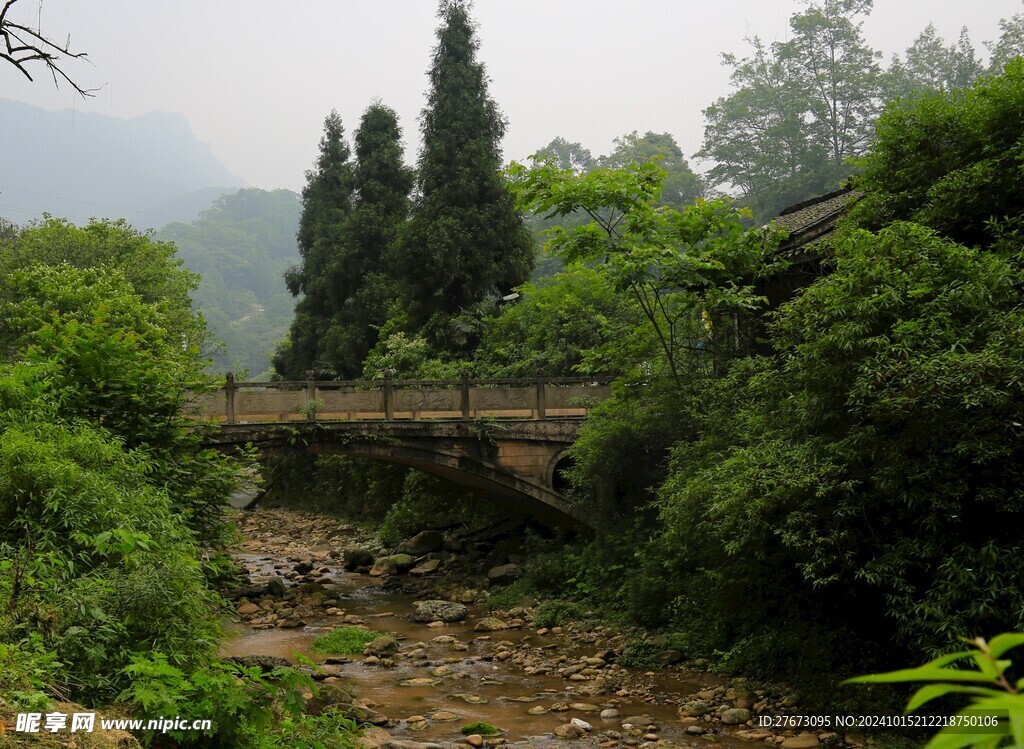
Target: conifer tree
point(364, 276)
point(465, 242)
point(326, 202)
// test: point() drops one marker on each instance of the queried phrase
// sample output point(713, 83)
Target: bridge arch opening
point(557, 475)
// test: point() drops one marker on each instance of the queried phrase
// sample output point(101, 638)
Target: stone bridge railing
point(393, 400)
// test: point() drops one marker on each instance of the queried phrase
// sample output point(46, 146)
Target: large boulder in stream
point(439, 611)
point(383, 647)
point(357, 557)
point(422, 543)
point(392, 564)
point(504, 573)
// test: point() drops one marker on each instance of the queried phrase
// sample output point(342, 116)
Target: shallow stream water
point(508, 691)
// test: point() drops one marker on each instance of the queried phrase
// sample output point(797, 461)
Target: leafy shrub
point(344, 641)
point(556, 613)
point(240, 702)
point(641, 654)
point(979, 674)
point(508, 596)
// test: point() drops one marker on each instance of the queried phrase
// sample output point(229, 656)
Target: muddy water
point(507, 693)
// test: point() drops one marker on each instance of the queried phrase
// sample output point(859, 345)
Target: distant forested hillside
point(241, 246)
point(148, 169)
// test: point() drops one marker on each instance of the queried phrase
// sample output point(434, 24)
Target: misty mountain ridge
point(148, 169)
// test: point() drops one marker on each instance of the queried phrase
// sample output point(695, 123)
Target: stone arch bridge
point(504, 438)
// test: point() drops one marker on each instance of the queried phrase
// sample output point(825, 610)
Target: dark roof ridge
point(815, 200)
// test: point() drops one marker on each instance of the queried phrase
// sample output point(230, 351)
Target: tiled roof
point(810, 221)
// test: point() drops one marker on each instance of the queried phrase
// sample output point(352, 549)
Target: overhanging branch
point(25, 47)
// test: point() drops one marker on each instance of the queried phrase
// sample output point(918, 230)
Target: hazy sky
point(255, 78)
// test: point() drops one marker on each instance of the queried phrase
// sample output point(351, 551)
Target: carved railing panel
point(400, 400)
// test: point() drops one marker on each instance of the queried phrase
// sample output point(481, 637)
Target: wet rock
point(490, 624)
point(276, 586)
point(443, 716)
point(669, 657)
point(475, 740)
point(357, 557)
point(422, 543)
point(733, 716)
point(303, 568)
point(381, 647)
point(609, 713)
point(426, 568)
point(584, 707)
point(582, 724)
point(801, 741)
point(420, 681)
point(537, 710)
point(471, 699)
point(569, 731)
point(329, 697)
point(383, 566)
point(694, 709)
point(696, 730)
point(640, 721)
point(251, 591)
point(403, 561)
point(265, 663)
point(504, 573)
point(248, 608)
point(439, 611)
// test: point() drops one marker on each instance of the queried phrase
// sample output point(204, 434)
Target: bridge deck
point(394, 400)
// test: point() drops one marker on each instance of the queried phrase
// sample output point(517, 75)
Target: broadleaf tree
point(799, 110)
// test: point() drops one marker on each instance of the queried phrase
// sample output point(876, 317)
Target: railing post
point(229, 392)
point(310, 395)
point(464, 399)
point(541, 396)
point(389, 397)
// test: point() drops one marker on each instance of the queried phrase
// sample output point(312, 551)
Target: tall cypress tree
point(364, 276)
point(465, 241)
point(326, 203)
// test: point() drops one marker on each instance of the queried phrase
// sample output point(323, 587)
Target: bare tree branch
point(23, 46)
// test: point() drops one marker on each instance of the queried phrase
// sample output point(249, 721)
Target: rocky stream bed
point(442, 661)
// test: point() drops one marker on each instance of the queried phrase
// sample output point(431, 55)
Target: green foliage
point(554, 326)
point(241, 703)
point(27, 668)
point(508, 596)
point(680, 185)
point(99, 563)
point(429, 502)
point(949, 160)
point(241, 247)
point(640, 654)
point(343, 641)
point(465, 241)
point(683, 268)
point(556, 613)
point(800, 108)
point(872, 458)
point(326, 203)
point(351, 218)
point(981, 674)
point(930, 64)
point(484, 729)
